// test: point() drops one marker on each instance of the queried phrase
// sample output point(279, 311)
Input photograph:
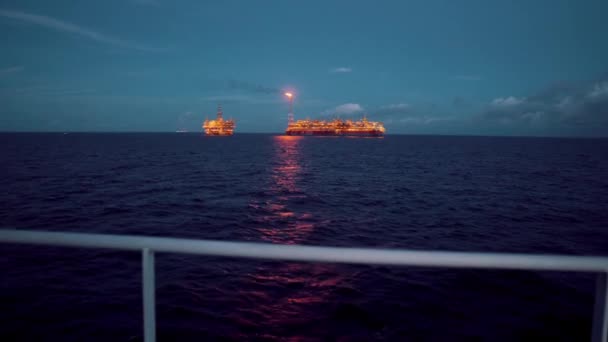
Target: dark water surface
point(420, 192)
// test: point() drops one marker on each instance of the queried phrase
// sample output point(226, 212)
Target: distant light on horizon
point(288, 94)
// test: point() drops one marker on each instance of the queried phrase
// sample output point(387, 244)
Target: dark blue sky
point(432, 67)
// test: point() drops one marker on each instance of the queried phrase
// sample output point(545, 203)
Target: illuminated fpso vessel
point(335, 127)
point(219, 126)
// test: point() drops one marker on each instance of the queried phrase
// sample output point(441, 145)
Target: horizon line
point(279, 133)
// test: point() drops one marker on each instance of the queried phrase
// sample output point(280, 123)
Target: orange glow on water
point(283, 219)
point(283, 224)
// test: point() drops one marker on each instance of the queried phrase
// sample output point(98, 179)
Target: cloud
point(398, 106)
point(251, 87)
point(348, 108)
point(11, 70)
point(239, 98)
point(342, 110)
point(467, 78)
point(567, 107)
point(341, 70)
point(226, 98)
point(395, 111)
point(599, 90)
point(420, 120)
point(407, 115)
point(564, 103)
point(507, 101)
point(62, 26)
point(398, 114)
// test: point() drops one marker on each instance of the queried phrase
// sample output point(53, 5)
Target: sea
point(446, 193)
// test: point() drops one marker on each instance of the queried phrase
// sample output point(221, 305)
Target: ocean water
point(500, 194)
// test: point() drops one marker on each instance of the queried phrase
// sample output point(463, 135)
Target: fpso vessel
point(219, 126)
point(335, 127)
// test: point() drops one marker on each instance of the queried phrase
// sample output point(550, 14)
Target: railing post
point(600, 309)
point(148, 295)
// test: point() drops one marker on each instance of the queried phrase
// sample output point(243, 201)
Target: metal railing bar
point(148, 280)
point(600, 309)
point(312, 253)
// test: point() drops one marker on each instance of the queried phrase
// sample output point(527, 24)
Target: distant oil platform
point(219, 126)
point(340, 127)
point(361, 127)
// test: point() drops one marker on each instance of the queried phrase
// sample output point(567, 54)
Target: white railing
point(149, 245)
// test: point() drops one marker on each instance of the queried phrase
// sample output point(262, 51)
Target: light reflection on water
point(282, 223)
point(283, 220)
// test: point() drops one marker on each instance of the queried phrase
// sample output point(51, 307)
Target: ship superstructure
point(219, 126)
point(361, 127)
point(335, 127)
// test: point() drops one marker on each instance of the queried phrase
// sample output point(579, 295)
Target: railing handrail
point(256, 250)
point(148, 245)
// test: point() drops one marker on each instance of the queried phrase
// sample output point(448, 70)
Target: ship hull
point(219, 134)
point(219, 131)
point(335, 133)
